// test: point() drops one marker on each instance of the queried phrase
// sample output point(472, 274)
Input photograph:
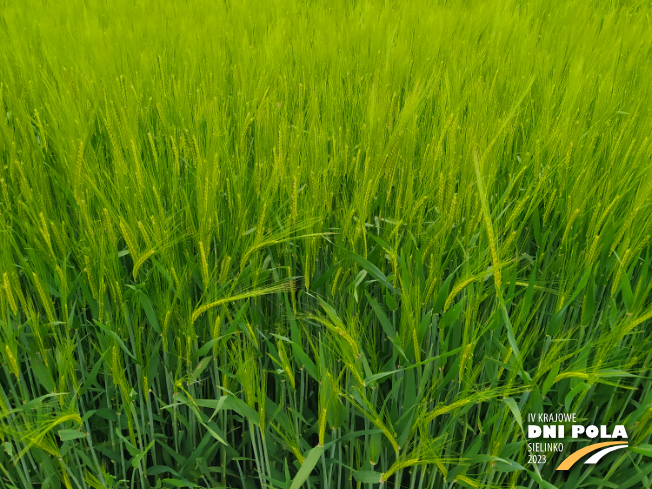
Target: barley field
point(348, 244)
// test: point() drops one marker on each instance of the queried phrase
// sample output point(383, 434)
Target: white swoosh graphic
point(594, 459)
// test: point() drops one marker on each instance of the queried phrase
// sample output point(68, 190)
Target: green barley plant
point(346, 244)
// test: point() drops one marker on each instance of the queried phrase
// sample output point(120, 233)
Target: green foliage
point(321, 244)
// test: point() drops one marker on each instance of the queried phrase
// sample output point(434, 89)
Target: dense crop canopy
point(321, 244)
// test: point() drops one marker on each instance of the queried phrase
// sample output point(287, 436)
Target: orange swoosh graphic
point(575, 456)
